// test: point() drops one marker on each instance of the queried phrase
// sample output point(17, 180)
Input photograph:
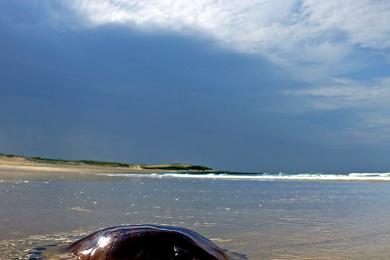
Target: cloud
point(362, 107)
point(77, 70)
point(372, 127)
point(343, 93)
point(365, 21)
point(312, 38)
point(337, 49)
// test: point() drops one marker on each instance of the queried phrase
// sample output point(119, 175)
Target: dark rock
point(148, 242)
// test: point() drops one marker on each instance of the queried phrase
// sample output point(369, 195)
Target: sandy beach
point(322, 220)
point(21, 165)
point(262, 125)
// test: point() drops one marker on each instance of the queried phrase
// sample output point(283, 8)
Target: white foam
point(268, 177)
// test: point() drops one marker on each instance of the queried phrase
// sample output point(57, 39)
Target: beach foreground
point(263, 219)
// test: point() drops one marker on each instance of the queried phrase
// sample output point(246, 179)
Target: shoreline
point(37, 164)
point(63, 168)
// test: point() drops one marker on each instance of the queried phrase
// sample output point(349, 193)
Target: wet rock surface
point(146, 242)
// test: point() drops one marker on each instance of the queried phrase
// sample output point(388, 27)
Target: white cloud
point(364, 108)
point(366, 22)
point(343, 93)
point(313, 38)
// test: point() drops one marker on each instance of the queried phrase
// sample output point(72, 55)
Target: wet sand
point(263, 219)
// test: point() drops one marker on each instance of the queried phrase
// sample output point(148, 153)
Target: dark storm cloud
point(115, 93)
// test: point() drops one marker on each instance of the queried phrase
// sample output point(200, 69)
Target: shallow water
point(263, 219)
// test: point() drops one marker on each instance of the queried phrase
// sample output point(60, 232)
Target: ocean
point(370, 176)
point(265, 216)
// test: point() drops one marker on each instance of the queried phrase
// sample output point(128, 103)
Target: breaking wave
point(264, 176)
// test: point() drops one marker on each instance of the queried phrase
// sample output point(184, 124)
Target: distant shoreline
point(17, 162)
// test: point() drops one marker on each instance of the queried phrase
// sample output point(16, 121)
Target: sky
point(247, 85)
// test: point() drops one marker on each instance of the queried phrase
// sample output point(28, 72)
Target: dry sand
point(21, 164)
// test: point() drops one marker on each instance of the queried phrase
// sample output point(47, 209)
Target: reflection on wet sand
point(263, 219)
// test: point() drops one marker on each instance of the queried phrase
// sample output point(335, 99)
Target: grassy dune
point(175, 167)
point(106, 164)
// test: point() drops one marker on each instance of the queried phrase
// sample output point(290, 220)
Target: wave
point(263, 176)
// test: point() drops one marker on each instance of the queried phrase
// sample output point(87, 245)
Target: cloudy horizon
point(297, 85)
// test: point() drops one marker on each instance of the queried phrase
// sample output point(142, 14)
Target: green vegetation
point(175, 167)
point(7, 155)
point(87, 162)
point(168, 167)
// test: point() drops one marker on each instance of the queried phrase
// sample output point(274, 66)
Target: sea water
point(265, 216)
